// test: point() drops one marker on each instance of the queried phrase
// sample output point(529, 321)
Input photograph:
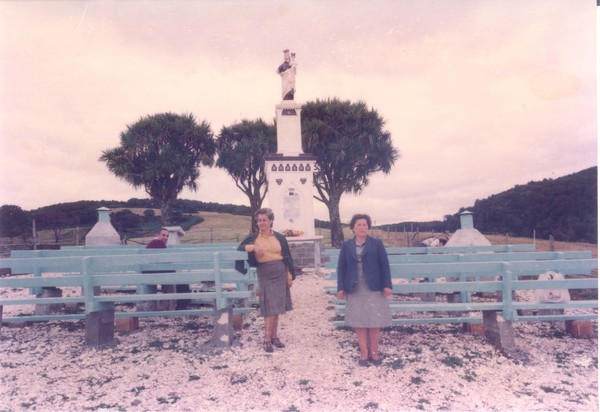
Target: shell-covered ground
point(170, 365)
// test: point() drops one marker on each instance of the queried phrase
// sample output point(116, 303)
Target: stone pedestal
point(175, 232)
point(290, 174)
point(290, 193)
point(289, 138)
point(306, 251)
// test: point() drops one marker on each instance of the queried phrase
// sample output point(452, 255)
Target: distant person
point(160, 242)
point(269, 252)
point(287, 71)
point(364, 281)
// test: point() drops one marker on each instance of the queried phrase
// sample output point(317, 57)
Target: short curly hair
point(360, 216)
point(265, 211)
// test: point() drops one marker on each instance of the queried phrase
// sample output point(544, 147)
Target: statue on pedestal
point(287, 71)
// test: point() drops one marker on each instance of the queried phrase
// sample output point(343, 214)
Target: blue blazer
point(375, 264)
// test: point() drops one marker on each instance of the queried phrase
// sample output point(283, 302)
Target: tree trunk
point(337, 235)
point(165, 213)
point(255, 204)
point(56, 232)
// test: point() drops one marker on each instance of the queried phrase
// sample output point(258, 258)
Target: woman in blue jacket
point(364, 281)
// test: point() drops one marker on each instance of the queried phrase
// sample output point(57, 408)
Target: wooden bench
point(461, 256)
point(103, 280)
point(88, 251)
point(332, 255)
point(121, 250)
point(510, 276)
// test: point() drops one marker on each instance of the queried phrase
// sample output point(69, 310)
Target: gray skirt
point(366, 308)
point(274, 295)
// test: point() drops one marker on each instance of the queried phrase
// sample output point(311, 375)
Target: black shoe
point(277, 343)
point(267, 346)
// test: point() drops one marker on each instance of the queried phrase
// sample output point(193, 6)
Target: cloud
point(478, 96)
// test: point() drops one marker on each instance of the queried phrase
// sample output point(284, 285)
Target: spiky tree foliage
point(241, 150)
point(162, 153)
point(350, 144)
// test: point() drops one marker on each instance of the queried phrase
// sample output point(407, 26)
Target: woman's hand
point(290, 280)
point(258, 251)
point(387, 292)
point(341, 294)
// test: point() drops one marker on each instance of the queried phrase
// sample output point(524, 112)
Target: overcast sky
point(478, 95)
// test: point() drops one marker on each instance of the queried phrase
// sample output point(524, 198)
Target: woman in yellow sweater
point(269, 252)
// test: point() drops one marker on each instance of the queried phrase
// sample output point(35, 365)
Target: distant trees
point(14, 222)
point(566, 208)
point(241, 150)
point(351, 144)
point(162, 153)
point(125, 220)
point(64, 215)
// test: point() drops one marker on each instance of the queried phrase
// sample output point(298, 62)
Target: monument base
point(306, 251)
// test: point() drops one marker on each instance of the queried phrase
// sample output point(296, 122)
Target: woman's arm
point(384, 265)
point(341, 272)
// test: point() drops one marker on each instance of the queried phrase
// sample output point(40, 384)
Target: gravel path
point(168, 365)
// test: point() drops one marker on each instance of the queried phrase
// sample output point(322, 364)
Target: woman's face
point(263, 222)
point(361, 227)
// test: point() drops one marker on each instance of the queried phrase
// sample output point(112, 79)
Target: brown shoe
point(267, 346)
point(277, 343)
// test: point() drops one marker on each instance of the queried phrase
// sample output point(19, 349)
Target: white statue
point(287, 71)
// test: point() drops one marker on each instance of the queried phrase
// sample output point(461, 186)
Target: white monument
point(290, 175)
point(103, 233)
point(290, 170)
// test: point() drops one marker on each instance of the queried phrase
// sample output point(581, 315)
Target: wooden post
point(223, 326)
point(499, 334)
point(100, 326)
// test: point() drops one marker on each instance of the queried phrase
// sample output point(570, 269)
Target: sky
point(478, 96)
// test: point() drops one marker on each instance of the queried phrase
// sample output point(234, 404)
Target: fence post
point(99, 317)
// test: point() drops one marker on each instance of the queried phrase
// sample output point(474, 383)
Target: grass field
point(223, 227)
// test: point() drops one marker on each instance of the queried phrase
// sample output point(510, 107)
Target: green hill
point(565, 208)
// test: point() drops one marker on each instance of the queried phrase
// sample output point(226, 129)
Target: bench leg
point(238, 318)
point(164, 305)
point(146, 305)
point(223, 326)
point(43, 309)
point(499, 334)
point(429, 296)
point(575, 328)
point(100, 328)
